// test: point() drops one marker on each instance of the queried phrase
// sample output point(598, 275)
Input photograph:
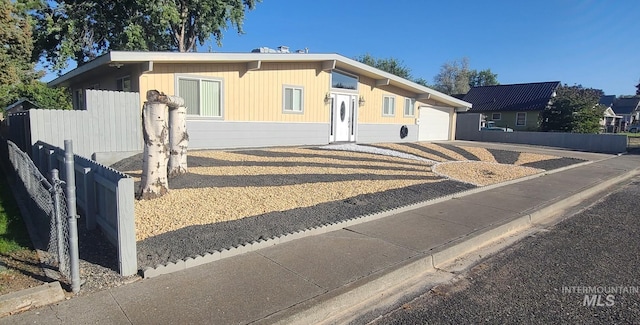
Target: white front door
point(343, 117)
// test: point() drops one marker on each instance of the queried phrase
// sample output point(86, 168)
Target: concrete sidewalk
point(311, 278)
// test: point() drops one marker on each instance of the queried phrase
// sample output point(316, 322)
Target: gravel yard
point(233, 197)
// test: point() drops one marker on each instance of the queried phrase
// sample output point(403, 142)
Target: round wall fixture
point(342, 112)
point(404, 131)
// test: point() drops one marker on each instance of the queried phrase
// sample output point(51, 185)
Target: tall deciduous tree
point(17, 69)
point(453, 77)
point(482, 78)
point(575, 109)
point(390, 65)
point(81, 30)
point(15, 52)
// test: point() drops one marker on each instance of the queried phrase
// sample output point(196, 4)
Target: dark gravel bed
point(554, 163)
point(198, 240)
point(504, 156)
point(464, 153)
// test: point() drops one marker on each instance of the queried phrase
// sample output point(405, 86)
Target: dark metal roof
point(625, 105)
point(607, 100)
point(515, 97)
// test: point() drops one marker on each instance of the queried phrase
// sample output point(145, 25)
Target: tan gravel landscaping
point(483, 173)
point(231, 185)
point(482, 153)
point(527, 157)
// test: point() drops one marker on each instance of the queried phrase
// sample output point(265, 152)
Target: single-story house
point(516, 106)
point(271, 99)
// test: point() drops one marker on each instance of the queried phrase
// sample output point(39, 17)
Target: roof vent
point(279, 49)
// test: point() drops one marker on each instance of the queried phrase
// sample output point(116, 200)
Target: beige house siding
point(252, 96)
point(371, 111)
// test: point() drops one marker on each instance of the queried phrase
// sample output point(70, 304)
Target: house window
point(123, 84)
point(203, 97)
point(78, 99)
point(388, 106)
point(343, 81)
point(496, 116)
point(409, 109)
point(521, 119)
point(292, 99)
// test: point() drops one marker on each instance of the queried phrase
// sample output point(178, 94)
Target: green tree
point(15, 53)
point(453, 77)
point(82, 30)
point(574, 109)
point(390, 65)
point(482, 78)
point(18, 77)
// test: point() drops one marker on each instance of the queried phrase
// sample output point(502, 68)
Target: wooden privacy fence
point(110, 124)
point(105, 198)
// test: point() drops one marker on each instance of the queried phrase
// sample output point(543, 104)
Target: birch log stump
point(155, 132)
point(178, 136)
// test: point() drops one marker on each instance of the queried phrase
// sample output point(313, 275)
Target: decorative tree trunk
point(178, 136)
point(155, 132)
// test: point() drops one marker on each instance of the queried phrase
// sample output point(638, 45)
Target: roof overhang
point(254, 61)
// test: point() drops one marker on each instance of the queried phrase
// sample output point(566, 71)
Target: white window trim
point(291, 111)
point(200, 78)
point(411, 106)
point(496, 119)
point(393, 98)
point(525, 118)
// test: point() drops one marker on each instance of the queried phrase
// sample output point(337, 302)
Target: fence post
point(55, 182)
point(71, 210)
point(89, 198)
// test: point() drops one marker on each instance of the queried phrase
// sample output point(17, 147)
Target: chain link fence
point(45, 203)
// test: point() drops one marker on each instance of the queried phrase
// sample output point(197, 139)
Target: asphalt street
point(583, 270)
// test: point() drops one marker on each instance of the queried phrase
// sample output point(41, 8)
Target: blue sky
point(588, 42)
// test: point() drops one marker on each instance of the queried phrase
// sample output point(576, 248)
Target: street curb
point(358, 295)
point(22, 300)
point(188, 262)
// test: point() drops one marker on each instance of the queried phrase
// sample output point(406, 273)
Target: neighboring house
point(270, 99)
point(610, 122)
point(516, 106)
point(627, 108)
point(19, 106)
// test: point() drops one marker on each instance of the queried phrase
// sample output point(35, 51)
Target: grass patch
point(631, 135)
point(13, 232)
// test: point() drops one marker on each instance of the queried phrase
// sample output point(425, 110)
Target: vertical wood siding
point(251, 96)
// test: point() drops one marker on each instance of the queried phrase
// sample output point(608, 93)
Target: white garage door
point(434, 123)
